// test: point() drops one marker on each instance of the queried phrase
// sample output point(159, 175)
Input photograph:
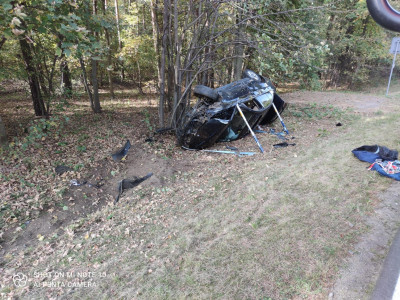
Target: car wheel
point(252, 75)
point(205, 91)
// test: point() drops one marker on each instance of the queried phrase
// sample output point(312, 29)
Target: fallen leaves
point(27, 177)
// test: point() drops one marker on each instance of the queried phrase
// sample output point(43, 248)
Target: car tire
point(252, 75)
point(205, 91)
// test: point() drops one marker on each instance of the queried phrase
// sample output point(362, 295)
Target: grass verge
point(275, 226)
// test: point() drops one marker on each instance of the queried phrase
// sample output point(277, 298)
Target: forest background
point(61, 47)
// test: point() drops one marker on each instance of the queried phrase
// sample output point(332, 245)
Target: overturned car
point(215, 117)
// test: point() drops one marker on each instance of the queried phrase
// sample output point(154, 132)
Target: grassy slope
point(277, 228)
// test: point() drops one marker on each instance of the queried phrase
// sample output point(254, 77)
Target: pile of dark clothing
point(382, 159)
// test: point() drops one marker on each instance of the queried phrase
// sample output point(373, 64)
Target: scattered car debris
point(126, 184)
point(216, 117)
point(149, 140)
point(234, 150)
point(164, 130)
point(240, 154)
point(382, 159)
point(284, 144)
point(77, 183)
point(121, 153)
point(260, 130)
point(97, 185)
point(280, 135)
point(62, 169)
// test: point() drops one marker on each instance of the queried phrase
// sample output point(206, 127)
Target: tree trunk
point(239, 47)
point(170, 84)
point(51, 75)
point(2, 41)
point(34, 84)
point(156, 41)
point(3, 135)
point(85, 83)
point(118, 27)
point(109, 65)
point(162, 62)
point(66, 83)
point(139, 78)
point(177, 67)
point(109, 54)
point(95, 83)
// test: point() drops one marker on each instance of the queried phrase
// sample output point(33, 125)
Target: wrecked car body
point(215, 117)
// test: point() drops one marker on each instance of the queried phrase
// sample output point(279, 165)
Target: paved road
point(388, 284)
point(362, 269)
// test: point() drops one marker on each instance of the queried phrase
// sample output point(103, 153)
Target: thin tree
point(109, 54)
point(163, 61)
point(33, 79)
point(3, 134)
point(94, 64)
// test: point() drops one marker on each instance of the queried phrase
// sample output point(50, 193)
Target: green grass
point(318, 111)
